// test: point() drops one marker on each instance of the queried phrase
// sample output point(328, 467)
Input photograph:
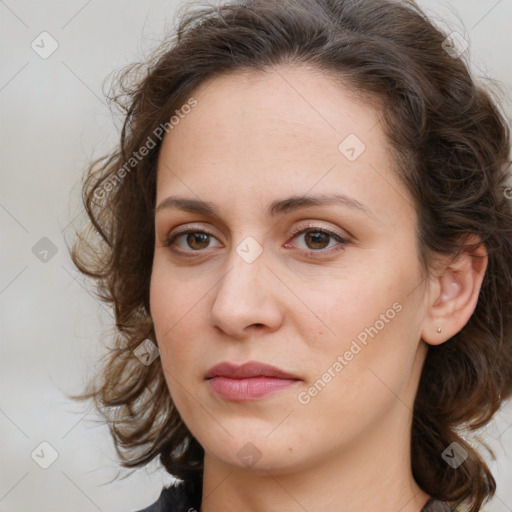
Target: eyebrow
point(278, 207)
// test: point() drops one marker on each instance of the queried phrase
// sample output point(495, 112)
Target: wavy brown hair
point(451, 146)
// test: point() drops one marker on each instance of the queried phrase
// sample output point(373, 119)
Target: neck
point(372, 474)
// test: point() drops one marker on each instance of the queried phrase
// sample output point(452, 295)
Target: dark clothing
point(186, 497)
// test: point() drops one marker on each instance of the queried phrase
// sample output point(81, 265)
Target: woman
point(308, 215)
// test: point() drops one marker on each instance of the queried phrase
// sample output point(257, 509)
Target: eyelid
point(310, 226)
point(189, 228)
point(171, 237)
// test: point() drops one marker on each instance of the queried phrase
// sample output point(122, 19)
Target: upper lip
point(247, 370)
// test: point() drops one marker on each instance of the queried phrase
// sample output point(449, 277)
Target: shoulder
point(171, 499)
point(184, 496)
point(433, 505)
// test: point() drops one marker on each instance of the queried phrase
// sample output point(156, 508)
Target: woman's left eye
point(318, 239)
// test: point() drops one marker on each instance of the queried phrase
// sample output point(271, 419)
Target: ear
point(453, 292)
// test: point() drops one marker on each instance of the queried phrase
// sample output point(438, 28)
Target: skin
point(252, 139)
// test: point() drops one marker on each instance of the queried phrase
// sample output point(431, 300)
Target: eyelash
point(295, 233)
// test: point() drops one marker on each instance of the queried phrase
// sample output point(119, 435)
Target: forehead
point(282, 104)
point(286, 130)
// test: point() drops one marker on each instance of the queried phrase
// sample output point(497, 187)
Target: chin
point(259, 453)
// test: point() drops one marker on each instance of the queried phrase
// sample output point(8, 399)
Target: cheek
point(173, 297)
point(355, 383)
point(340, 310)
point(174, 311)
point(367, 320)
point(174, 336)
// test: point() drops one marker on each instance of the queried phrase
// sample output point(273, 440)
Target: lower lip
point(241, 390)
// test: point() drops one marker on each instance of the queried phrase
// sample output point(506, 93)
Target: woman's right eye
point(194, 241)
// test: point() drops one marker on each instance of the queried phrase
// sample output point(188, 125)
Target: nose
point(247, 299)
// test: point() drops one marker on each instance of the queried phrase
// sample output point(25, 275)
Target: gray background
point(53, 120)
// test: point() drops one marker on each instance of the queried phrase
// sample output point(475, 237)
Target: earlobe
point(454, 293)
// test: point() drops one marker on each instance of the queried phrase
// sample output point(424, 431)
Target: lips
point(248, 370)
point(249, 381)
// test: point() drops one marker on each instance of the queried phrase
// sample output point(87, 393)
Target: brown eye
point(317, 239)
point(198, 241)
point(190, 241)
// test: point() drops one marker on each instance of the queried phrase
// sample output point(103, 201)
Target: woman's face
point(282, 272)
